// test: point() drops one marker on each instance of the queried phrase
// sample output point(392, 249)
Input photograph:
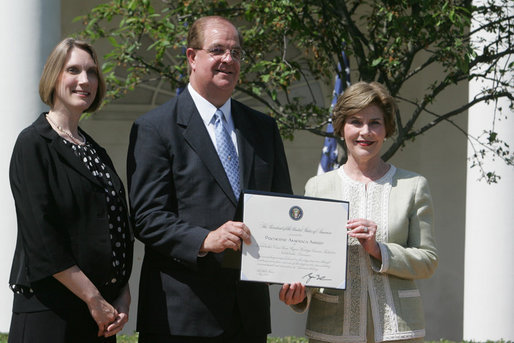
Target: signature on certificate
point(314, 276)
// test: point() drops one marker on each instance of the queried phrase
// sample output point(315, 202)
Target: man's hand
point(227, 236)
point(292, 294)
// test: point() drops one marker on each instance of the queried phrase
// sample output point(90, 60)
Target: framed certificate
point(295, 239)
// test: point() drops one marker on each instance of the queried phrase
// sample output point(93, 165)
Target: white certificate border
point(243, 277)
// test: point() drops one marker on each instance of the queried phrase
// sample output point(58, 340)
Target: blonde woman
point(74, 249)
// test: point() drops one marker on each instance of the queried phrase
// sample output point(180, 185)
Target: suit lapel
point(198, 138)
point(73, 161)
point(245, 142)
point(67, 155)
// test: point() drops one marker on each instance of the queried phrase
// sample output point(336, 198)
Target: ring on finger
point(365, 229)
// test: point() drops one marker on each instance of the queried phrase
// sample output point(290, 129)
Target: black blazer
point(179, 191)
point(62, 219)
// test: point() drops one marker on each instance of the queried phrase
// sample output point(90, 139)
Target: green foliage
point(287, 340)
point(133, 339)
point(127, 338)
point(291, 43)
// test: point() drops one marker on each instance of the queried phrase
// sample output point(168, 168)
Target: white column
point(30, 29)
point(489, 248)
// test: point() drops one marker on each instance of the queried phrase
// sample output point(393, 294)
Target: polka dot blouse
point(116, 214)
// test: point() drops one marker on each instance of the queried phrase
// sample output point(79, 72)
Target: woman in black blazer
point(73, 254)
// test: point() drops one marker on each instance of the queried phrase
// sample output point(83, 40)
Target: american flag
point(328, 159)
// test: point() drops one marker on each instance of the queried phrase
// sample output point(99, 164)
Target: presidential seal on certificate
point(295, 239)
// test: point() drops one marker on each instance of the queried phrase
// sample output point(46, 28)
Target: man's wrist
point(203, 251)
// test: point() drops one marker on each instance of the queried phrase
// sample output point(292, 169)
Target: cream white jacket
point(400, 204)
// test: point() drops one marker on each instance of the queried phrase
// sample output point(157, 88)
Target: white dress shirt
point(207, 110)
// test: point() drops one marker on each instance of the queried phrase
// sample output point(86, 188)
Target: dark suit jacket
point(179, 192)
point(62, 219)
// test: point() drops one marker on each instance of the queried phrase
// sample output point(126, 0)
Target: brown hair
point(195, 37)
point(359, 96)
point(54, 66)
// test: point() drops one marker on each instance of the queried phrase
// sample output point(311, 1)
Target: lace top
point(369, 201)
point(399, 203)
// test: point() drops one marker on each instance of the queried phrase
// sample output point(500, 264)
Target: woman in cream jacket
point(391, 238)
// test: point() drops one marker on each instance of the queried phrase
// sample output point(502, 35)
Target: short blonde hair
point(359, 96)
point(54, 66)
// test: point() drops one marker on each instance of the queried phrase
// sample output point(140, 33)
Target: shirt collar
point(207, 110)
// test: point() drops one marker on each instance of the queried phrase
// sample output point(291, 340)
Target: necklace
point(79, 141)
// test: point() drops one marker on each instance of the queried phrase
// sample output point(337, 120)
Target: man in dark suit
point(188, 161)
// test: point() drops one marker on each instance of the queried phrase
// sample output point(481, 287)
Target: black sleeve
point(153, 199)
point(45, 242)
point(281, 179)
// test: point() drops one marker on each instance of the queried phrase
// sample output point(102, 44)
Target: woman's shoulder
point(323, 183)
point(407, 175)
point(28, 138)
point(27, 134)
point(327, 177)
point(409, 181)
point(29, 151)
point(37, 130)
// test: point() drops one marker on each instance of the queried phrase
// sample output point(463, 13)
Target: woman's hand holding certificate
point(295, 239)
